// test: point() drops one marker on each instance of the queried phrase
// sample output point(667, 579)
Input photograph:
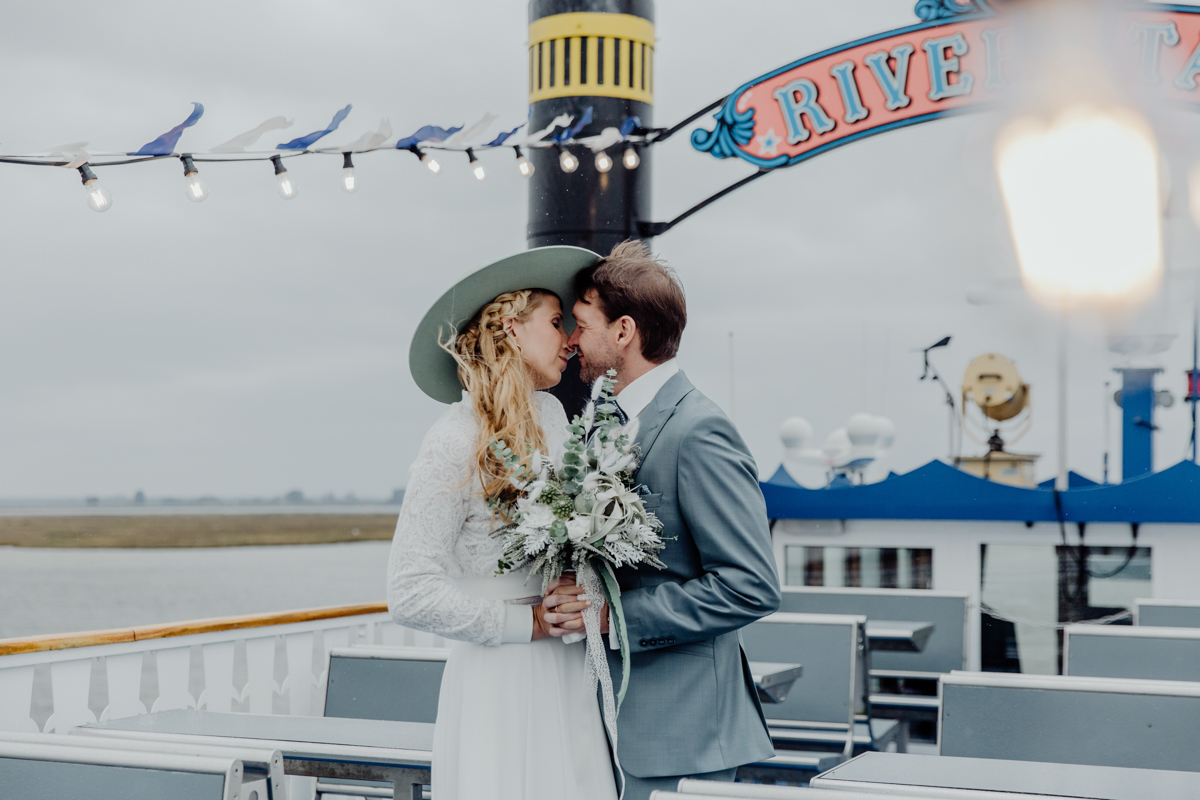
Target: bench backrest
point(832, 651)
point(946, 648)
point(1123, 651)
point(399, 684)
point(45, 770)
point(1167, 613)
point(1070, 720)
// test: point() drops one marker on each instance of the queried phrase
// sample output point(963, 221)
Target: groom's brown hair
point(631, 282)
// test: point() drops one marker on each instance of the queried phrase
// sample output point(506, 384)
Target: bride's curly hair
point(492, 370)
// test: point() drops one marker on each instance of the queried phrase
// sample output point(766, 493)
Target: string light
point(349, 183)
point(196, 190)
point(426, 159)
point(604, 162)
point(523, 164)
point(630, 159)
point(479, 173)
point(287, 187)
point(566, 161)
point(98, 198)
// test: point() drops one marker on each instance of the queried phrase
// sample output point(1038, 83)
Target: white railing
point(203, 654)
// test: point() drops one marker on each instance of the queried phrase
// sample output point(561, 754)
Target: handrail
point(66, 641)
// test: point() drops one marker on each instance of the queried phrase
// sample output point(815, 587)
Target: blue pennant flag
point(304, 141)
point(572, 131)
point(427, 133)
point(499, 140)
point(629, 124)
point(165, 144)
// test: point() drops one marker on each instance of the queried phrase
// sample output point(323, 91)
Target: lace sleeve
point(420, 592)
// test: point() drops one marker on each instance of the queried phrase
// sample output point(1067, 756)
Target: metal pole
point(582, 54)
point(1107, 426)
point(1062, 481)
point(1193, 383)
point(732, 383)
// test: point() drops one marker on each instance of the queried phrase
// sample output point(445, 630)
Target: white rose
point(537, 516)
point(578, 529)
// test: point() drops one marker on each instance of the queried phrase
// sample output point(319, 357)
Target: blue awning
point(939, 491)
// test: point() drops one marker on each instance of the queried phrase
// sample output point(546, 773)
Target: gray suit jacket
point(691, 706)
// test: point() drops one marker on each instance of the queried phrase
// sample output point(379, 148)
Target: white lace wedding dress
point(516, 720)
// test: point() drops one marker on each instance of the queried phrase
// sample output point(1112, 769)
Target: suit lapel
point(652, 420)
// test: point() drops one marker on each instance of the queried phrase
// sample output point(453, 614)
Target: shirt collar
point(634, 398)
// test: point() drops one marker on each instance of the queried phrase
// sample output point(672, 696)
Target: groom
point(691, 709)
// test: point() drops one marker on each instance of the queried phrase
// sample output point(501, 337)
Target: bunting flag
point(165, 144)
point(303, 142)
point(239, 143)
point(427, 133)
point(571, 132)
point(629, 124)
point(74, 152)
point(368, 141)
point(503, 137)
point(561, 121)
point(467, 138)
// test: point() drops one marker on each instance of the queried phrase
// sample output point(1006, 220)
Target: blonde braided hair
point(492, 370)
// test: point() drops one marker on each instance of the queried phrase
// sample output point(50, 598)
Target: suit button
point(670, 641)
point(644, 643)
point(662, 641)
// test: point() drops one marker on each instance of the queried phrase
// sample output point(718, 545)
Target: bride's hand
point(562, 606)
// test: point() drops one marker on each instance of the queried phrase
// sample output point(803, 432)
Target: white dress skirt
point(517, 721)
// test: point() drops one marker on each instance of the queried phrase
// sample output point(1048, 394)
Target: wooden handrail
point(66, 641)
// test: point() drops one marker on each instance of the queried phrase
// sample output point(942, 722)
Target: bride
point(515, 717)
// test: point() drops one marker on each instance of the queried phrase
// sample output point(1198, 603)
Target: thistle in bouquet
point(586, 516)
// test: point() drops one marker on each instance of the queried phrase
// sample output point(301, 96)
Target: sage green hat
point(550, 268)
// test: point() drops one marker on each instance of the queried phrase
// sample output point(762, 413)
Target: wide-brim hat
point(550, 268)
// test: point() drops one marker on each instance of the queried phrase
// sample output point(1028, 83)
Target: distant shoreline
point(194, 530)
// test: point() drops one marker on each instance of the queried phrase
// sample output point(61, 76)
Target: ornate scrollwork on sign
point(930, 10)
point(733, 129)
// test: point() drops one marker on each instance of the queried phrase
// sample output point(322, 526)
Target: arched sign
point(953, 62)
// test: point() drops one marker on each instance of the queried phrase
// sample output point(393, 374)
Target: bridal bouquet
point(587, 517)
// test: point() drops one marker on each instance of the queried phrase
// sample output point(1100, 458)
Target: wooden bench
point(817, 725)
point(44, 767)
point(1166, 613)
point(1071, 720)
point(907, 677)
point(1123, 651)
point(399, 753)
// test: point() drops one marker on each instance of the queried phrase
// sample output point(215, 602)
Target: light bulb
point(478, 168)
point(195, 190)
point(630, 158)
point(604, 162)
point(287, 189)
point(98, 198)
point(434, 166)
point(523, 165)
point(567, 162)
point(348, 182)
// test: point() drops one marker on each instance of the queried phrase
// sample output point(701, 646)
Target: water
point(56, 590)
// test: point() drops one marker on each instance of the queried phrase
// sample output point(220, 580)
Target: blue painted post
point(1137, 429)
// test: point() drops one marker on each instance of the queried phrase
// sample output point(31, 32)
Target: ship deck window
point(867, 567)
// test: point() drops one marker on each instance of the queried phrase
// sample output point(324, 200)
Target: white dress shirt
point(634, 398)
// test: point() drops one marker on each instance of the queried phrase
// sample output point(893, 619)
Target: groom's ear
point(627, 332)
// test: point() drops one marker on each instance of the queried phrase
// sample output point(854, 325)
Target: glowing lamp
point(1083, 198)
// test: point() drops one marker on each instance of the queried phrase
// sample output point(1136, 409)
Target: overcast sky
point(248, 346)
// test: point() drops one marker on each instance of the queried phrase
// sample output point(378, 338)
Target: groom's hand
point(562, 608)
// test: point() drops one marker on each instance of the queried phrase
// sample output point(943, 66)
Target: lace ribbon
point(597, 658)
